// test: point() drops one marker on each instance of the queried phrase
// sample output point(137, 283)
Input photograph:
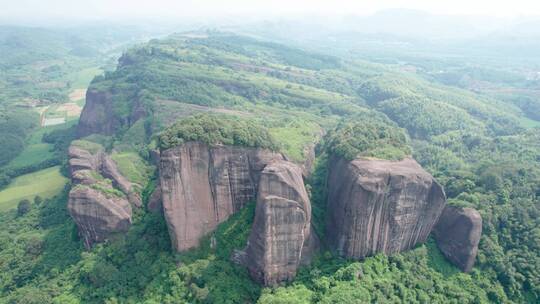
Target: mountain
point(217, 168)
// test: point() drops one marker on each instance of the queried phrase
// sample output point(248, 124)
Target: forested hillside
point(43, 81)
point(221, 88)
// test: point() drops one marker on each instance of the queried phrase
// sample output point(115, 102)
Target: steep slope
point(202, 186)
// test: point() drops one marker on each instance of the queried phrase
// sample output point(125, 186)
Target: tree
point(38, 200)
point(23, 207)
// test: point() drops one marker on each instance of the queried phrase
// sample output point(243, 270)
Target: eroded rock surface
point(202, 186)
point(457, 234)
point(80, 159)
point(98, 116)
point(109, 170)
point(98, 201)
point(380, 206)
point(97, 214)
point(281, 226)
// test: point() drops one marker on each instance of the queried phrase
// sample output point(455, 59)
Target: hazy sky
point(90, 9)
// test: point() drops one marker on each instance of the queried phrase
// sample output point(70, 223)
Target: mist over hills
point(391, 157)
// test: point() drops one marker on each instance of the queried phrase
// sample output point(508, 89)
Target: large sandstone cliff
point(98, 115)
point(457, 234)
point(98, 201)
point(380, 206)
point(281, 226)
point(201, 186)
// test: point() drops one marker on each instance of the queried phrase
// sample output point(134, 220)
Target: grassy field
point(45, 183)
point(294, 137)
point(32, 154)
point(133, 167)
point(37, 151)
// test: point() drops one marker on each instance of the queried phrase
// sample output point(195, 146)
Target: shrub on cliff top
point(368, 137)
point(214, 129)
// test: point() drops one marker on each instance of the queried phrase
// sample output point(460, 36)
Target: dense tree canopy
point(369, 137)
point(217, 130)
point(257, 94)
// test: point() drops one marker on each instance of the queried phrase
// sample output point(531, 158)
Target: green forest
point(222, 88)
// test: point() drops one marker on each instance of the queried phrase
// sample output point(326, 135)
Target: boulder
point(202, 186)
point(281, 227)
point(80, 159)
point(379, 206)
point(98, 215)
point(457, 234)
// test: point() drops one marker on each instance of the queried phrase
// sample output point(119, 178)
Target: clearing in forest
point(45, 183)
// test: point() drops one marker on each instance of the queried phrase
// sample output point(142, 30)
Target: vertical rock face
point(202, 186)
point(97, 214)
point(97, 115)
point(380, 206)
point(98, 209)
point(457, 234)
point(282, 224)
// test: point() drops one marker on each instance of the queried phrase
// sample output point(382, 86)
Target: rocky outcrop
point(98, 201)
point(457, 234)
point(82, 163)
point(281, 226)
point(202, 186)
point(98, 115)
point(98, 215)
point(109, 170)
point(380, 206)
point(81, 159)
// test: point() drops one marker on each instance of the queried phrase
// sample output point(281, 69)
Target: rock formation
point(202, 186)
point(281, 226)
point(98, 116)
point(97, 201)
point(380, 206)
point(98, 214)
point(457, 234)
point(109, 170)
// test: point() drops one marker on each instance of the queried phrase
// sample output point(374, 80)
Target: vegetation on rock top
point(368, 137)
point(217, 130)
